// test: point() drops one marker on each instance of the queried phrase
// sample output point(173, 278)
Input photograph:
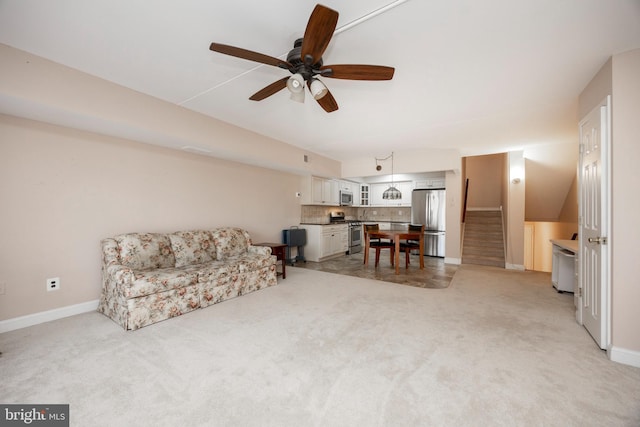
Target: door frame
point(605, 196)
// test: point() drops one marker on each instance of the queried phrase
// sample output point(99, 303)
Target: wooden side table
point(277, 249)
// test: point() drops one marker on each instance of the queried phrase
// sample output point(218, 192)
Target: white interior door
point(594, 285)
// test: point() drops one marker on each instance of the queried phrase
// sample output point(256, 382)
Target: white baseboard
point(518, 267)
point(624, 356)
point(47, 316)
point(456, 261)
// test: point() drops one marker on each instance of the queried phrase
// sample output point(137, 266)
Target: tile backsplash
point(320, 214)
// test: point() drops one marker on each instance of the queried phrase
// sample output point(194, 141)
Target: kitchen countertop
point(324, 223)
point(372, 221)
point(367, 221)
point(570, 245)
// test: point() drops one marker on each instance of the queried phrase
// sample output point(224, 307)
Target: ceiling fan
point(304, 61)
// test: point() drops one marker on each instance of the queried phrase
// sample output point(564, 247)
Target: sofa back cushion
point(142, 251)
point(230, 242)
point(192, 247)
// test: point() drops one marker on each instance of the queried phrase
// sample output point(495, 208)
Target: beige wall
point(515, 212)
point(569, 211)
point(63, 190)
point(411, 161)
point(541, 246)
point(453, 236)
point(619, 78)
point(625, 280)
point(35, 88)
point(485, 175)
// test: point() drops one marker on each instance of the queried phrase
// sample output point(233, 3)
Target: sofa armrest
point(119, 275)
point(259, 250)
point(110, 252)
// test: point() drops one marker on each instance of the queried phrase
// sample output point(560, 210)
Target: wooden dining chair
point(409, 244)
point(379, 244)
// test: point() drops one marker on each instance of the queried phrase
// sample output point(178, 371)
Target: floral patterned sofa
point(149, 277)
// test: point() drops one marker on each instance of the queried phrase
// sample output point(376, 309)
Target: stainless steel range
point(355, 237)
point(355, 231)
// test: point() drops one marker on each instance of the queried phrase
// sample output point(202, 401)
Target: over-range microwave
point(346, 198)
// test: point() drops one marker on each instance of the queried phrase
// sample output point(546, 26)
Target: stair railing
point(464, 207)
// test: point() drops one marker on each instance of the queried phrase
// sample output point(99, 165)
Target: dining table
point(396, 236)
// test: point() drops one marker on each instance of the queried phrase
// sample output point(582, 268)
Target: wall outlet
point(3, 288)
point(53, 284)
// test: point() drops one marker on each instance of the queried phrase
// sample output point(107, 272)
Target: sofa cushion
point(142, 251)
point(248, 263)
point(229, 242)
point(192, 247)
point(154, 281)
point(216, 270)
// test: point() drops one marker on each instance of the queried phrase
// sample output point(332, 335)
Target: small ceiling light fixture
point(295, 84)
point(391, 193)
point(317, 88)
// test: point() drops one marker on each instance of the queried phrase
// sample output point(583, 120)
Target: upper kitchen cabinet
point(431, 183)
point(376, 191)
point(320, 191)
point(364, 195)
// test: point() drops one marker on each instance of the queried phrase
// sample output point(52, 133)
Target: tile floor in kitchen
point(436, 273)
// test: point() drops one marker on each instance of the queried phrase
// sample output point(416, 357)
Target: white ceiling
point(480, 76)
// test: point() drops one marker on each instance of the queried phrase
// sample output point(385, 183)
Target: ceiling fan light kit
point(297, 96)
point(295, 83)
point(318, 89)
point(305, 62)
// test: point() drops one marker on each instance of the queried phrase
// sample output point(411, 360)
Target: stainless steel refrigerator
point(428, 208)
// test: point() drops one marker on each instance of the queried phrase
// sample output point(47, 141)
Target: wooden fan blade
point(318, 33)
point(357, 72)
point(328, 102)
point(250, 55)
point(270, 90)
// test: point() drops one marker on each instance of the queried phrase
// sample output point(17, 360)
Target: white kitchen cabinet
point(319, 191)
point(326, 241)
point(430, 183)
point(332, 193)
point(376, 191)
point(346, 185)
point(406, 188)
point(363, 200)
point(375, 194)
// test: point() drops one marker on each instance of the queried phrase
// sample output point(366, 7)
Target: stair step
point(493, 212)
point(476, 224)
point(483, 239)
point(483, 219)
point(483, 261)
point(480, 233)
point(483, 250)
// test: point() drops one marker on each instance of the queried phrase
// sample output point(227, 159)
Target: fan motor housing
point(294, 58)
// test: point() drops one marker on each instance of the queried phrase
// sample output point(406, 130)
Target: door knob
point(598, 240)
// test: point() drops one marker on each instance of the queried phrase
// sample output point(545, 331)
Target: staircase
point(483, 238)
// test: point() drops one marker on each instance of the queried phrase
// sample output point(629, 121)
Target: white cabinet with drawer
point(326, 241)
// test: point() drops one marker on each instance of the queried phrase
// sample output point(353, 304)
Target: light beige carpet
point(496, 348)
